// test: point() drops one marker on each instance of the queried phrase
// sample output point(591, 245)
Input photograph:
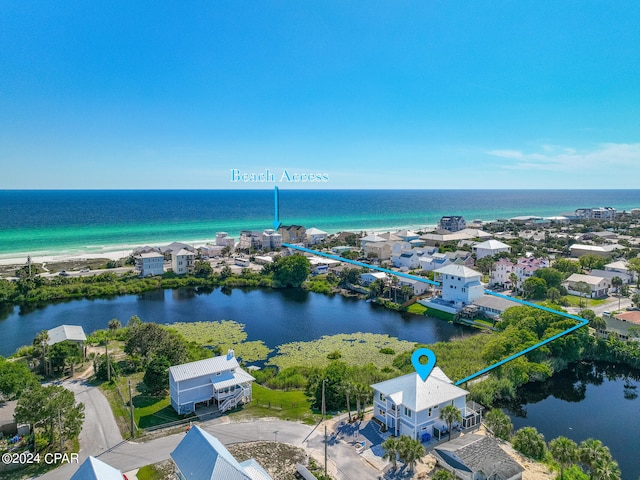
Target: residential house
point(477, 457)
point(438, 239)
point(250, 239)
point(609, 275)
point(315, 236)
point(597, 213)
point(211, 251)
point(381, 250)
point(71, 333)
point(201, 456)
point(224, 240)
point(490, 248)
point(460, 285)
point(320, 265)
point(407, 235)
point(271, 240)
point(435, 261)
point(94, 469)
point(370, 277)
point(580, 249)
point(598, 285)
point(452, 223)
point(219, 380)
point(150, 263)
point(407, 405)
point(523, 269)
point(621, 267)
point(493, 306)
point(183, 261)
point(293, 233)
point(407, 260)
point(371, 238)
point(417, 286)
point(8, 425)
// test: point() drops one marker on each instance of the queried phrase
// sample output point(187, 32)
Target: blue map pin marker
point(424, 370)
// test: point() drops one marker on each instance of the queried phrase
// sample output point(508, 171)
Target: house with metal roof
point(408, 405)
point(201, 456)
point(473, 456)
point(73, 333)
point(490, 248)
point(218, 380)
point(94, 469)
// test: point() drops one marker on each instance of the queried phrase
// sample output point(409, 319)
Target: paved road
point(99, 431)
point(126, 456)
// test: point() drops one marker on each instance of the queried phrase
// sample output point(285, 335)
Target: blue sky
point(396, 94)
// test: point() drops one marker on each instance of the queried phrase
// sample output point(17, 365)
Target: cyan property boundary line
point(360, 264)
point(582, 321)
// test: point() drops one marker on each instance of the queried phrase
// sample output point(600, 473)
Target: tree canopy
point(290, 271)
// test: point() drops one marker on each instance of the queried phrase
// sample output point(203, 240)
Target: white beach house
point(182, 261)
point(490, 248)
point(407, 405)
point(219, 380)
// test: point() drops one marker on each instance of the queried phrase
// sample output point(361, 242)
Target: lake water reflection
point(587, 400)
point(274, 316)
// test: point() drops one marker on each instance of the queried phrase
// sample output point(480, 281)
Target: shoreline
point(117, 252)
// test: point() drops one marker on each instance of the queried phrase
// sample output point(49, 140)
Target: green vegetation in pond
point(225, 334)
point(457, 358)
point(355, 349)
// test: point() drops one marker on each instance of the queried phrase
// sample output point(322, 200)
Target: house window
point(430, 410)
point(464, 289)
point(407, 412)
point(382, 413)
point(381, 396)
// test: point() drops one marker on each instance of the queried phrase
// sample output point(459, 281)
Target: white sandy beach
point(117, 252)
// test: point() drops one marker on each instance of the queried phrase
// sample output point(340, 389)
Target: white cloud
point(564, 159)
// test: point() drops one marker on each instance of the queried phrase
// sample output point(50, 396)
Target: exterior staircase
point(237, 398)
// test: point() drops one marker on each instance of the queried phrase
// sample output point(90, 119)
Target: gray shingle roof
point(480, 454)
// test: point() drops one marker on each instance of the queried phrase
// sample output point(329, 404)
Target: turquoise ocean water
point(70, 222)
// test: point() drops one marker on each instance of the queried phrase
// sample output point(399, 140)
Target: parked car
point(85, 270)
point(63, 273)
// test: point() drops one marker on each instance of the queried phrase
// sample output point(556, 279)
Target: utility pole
point(325, 451)
point(325, 428)
point(131, 405)
point(106, 350)
point(60, 430)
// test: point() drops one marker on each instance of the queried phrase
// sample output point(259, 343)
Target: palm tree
point(499, 423)
point(591, 452)
point(41, 344)
point(411, 451)
point(564, 451)
point(449, 415)
point(529, 442)
point(607, 470)
point(114, 325)
point(513, 278)
point(391, 447)
point(617, 282)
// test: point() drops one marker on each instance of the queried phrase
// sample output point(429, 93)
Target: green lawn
point(149, 410)
point(290, 405)
point(417, 309)
point(574, 301)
